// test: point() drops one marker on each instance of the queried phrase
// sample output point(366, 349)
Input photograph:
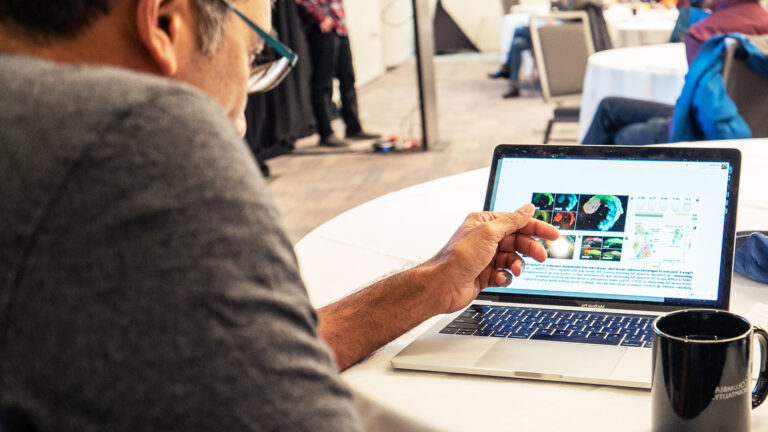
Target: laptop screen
point(645, 226)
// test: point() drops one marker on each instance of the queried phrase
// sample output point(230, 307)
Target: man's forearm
point(362, 322)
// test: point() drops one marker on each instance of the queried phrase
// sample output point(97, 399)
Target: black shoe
point(332, 141)
point(360, 135)
point(511, 93)
point(501, 73)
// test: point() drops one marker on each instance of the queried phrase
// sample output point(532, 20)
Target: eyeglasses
point(270, 67)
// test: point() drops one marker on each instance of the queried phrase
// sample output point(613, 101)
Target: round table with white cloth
point(653, 72)
point(647, 27)
point(641, 32)
point(400, 229)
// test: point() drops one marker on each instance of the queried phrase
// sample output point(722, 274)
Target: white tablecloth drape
point(640, 32)
point(646, 27)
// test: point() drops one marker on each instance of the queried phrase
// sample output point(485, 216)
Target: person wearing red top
point(327, 34)
point(729, 16)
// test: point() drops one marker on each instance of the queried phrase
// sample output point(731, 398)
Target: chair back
point(601, 38)
point(746, 88)
point(561, 49)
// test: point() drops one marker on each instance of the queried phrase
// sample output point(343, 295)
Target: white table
point(653, 72)
point(646, 28)
point(641, 32)
point(402, 228)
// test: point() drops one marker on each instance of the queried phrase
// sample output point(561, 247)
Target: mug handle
point(761, 387)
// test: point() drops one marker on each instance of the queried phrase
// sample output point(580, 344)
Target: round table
point(652, 72)
point(642, 32)
point(645, 28)
point(402, 228)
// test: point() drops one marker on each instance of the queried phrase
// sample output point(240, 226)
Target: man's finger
point(540, 229)
point(508, 223)
point(502, 278)
point(509, 261)
point(523, 244)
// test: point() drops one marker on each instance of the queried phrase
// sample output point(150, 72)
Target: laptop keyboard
point(553, 325)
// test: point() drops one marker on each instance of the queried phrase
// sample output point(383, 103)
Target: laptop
point(644, 231)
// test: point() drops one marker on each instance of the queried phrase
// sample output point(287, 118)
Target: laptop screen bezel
point(731, 156)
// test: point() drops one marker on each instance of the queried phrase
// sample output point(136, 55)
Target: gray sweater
point(145, 283)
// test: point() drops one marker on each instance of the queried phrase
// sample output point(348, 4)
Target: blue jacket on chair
point(704, 111)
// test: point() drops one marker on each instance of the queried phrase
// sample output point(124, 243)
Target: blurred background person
point(521, 41)
point(624, 121)
point(689, 13)
point(328, 37)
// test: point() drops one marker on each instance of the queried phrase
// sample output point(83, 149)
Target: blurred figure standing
point(328, 37)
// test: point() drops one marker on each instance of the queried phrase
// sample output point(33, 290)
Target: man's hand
point(326, 25)
point(483, 249)
point(366, 320)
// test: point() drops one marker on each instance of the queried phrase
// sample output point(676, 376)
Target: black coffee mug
point(702, 371)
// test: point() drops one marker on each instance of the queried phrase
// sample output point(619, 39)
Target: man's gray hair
point(213, 17)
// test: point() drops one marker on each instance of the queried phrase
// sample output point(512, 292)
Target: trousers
point(624, 121)
point(332, 58)
point(521, 41)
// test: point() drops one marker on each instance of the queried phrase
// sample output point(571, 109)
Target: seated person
point(521, 41)
point(146, 282)
point(728, 16)
point(689, 13)
point(630, 122)
point(624, 121)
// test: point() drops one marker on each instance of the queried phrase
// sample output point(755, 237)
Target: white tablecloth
point(405, 227)
point(641, 32)
point(646, 28)
point(654, 72)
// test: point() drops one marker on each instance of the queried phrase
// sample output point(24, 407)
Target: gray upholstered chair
point(561, 48)
point(746, 88)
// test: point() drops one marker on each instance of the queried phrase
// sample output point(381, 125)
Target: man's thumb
point(508, 223)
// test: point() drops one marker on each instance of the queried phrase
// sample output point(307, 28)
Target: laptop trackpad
point(552, 358)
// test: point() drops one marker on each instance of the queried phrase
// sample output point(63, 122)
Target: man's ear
point(166, 28)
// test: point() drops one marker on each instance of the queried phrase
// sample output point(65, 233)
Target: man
point(146, 283)
point(328, 37)
point(521, 41)
point(729, 16)
point(624, 121)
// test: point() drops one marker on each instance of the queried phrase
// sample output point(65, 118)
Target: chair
point(561, 49)
point(506, 6)
point(601, 37)
point(746, 88)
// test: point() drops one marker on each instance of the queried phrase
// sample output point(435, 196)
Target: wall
point(365, 38)
point(480, 20)
point(381, 31)
point(397, 31)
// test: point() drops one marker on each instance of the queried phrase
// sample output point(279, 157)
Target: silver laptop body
point(644, 230)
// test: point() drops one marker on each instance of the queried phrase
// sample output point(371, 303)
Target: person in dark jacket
point(326, 25)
